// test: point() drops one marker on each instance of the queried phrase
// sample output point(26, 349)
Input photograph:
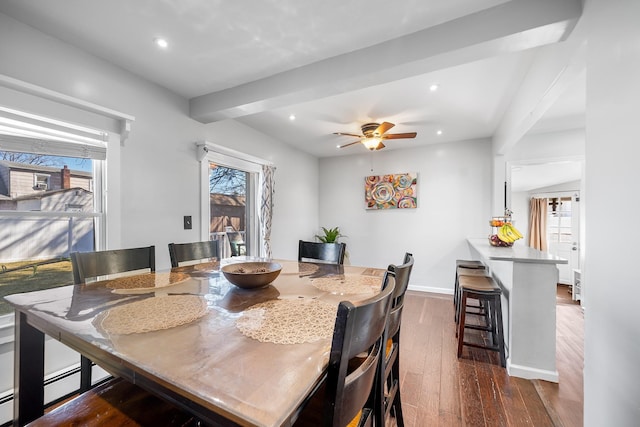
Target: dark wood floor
point(440, 389)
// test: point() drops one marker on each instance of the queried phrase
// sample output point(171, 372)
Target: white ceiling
point(335, 64)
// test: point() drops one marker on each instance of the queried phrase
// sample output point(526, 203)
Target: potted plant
point(331, 235)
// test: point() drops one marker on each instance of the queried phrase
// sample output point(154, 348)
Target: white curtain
point(266, 208)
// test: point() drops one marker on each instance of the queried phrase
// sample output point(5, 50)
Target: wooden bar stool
point(465, 263)
point(466, 270)
point(487, 291)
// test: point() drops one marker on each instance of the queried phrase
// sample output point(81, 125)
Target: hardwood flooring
point(440, 389)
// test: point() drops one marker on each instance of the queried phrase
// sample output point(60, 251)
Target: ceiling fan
point(373, 134)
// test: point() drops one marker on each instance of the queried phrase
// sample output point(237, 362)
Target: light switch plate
point(187, 222)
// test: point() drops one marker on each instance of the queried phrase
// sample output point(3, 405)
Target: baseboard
point(530, 373)
point(445, 291)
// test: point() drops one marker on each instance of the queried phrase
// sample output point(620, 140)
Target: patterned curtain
point(266, 209)
point(538, 224)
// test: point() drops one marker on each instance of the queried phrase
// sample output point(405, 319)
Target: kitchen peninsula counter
point(528, 278)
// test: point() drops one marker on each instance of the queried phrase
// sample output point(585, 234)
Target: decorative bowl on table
point(251, 275)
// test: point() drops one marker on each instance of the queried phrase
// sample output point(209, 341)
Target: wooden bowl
point(251, 275)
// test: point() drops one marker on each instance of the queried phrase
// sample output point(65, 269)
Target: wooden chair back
point(356, 348)
point(402, 274)
point(388, 376)
point(87, 265)
point(316, 251)
point(194, 251)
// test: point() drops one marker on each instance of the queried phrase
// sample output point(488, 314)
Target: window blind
point(25, 132)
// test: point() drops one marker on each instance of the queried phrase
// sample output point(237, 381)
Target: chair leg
point(462, 308)
point(85, 373)
point(397, 401)
point(500, 332)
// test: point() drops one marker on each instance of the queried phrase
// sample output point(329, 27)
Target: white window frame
point(208, 152)
point(41, 178)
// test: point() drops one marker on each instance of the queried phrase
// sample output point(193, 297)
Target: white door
point(563, 233)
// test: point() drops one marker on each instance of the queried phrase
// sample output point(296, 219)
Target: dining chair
point(348, 395)
point(194, 251)
point(389, 371)
point(236, 243)
point(326, 252)
point(91, 265)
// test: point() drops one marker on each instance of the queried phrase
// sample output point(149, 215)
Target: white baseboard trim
point(530, 373)
point(445, 291)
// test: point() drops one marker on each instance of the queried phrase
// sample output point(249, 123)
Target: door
point(563, 233)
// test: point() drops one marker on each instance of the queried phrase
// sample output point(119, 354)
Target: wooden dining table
point(228, 355)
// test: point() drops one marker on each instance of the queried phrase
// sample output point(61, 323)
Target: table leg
point(28, 401)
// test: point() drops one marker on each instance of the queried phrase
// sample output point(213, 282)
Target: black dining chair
point(348, 395)
point(194, 251)
point(389, 371)
point(332, 253)
point(91, 265)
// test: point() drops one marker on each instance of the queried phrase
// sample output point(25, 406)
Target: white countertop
point(516, 253)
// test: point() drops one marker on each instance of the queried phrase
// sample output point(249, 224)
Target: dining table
point(230, 356)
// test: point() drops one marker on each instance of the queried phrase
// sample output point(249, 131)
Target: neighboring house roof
point(43, 194)
point(41, 168)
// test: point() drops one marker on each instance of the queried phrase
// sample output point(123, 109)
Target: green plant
point(331, 235)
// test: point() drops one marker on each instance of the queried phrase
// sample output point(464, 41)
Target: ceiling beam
point(552, 71)
point(508, 27)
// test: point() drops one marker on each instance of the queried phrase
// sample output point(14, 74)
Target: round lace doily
point(151, 314)
point(288, 321)
point(348, 285)
point(146, 281)
point(207, 266)
point(304, 267)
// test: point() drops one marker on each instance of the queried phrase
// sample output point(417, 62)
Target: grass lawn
point(43, 277)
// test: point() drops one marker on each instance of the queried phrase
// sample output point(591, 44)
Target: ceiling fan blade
point(385, 126)
point(400, 135)
point(380, 146)
point(347, 134)
point(351, 143)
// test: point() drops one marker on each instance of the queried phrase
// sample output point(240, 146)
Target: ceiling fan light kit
point(373, 134)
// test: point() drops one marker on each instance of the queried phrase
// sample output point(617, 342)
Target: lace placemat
point(288, 321)
point(151, 314)
point(348, 284)
point(147, 282)
point(307, 268)
point(207, 266)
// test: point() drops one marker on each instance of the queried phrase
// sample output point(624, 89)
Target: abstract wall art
point(397, 191)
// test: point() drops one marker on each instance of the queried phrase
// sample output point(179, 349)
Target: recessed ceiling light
point(439, 132)
point(162, 43)
point(292, 117)
point(434, 87)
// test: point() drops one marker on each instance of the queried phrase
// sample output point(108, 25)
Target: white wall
point(549, 146)
point(612, 318)
point(157, 168)
point(454, 198)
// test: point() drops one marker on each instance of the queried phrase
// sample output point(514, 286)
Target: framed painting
point(397, 191)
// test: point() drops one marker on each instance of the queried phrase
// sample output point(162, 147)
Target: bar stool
point(487, 291)
point(468, 268)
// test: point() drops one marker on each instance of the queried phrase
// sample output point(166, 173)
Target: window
point(36, 148)
point(230, 196)
point(559, 228)
point(49, 203)
point(41, 182)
